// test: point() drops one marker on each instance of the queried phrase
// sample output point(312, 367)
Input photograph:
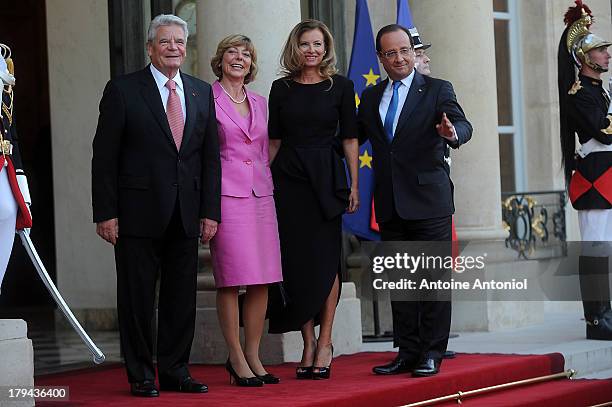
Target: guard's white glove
point(27, 230)
point(22, 181)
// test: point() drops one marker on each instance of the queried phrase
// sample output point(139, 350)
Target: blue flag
point(404, 17)
point(364, 72)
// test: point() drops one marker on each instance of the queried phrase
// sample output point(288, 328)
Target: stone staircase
point(560, 332)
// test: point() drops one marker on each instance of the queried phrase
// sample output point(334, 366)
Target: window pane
point(500, 5)
point(506, 162)
point(504, 81)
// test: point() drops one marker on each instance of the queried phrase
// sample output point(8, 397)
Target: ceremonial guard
point(14, 193)
point(585, 111)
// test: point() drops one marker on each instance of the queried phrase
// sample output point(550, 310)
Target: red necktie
point(174, 112)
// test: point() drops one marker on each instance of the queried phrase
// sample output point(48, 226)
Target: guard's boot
point(595, 289)
point(599, 324)
point(607, 311)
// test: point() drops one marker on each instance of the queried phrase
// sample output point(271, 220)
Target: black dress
point(310, 191)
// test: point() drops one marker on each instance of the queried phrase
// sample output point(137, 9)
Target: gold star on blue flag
point(371, 78)
point(365, 160)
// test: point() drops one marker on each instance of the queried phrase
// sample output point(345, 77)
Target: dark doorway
point(23, 29)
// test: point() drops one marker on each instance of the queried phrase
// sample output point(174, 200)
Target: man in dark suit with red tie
point(410, 119)
point(156, 183)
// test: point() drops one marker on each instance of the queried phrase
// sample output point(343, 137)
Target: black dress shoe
point(397, 366)
point(599, 327)
point(427, 367)
point(185, 385)
point(144, 389)
point(449, 354)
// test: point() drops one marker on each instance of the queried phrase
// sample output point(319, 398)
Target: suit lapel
point(417, 89)
point(253, 109)
point(225, 104)
point(190, 108)
point(378, 94)
point(150, 94)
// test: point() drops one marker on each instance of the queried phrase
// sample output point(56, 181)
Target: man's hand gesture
point(446, 129)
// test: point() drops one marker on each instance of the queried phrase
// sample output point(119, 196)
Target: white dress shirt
point(388, 93)
point(161, 79)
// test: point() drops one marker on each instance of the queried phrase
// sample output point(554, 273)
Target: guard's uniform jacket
point(591, 183)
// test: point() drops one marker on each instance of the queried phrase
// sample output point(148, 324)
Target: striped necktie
point(174, 112)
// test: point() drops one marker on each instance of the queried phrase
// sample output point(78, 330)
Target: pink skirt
point(246, 249)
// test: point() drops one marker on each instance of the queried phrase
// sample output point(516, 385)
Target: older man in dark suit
point(156, 187)
point(410, 120)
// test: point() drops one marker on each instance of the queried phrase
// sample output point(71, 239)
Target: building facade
point(500, 56)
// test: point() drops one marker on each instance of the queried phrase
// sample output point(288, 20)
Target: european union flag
point(404, 17)
point(364, 72)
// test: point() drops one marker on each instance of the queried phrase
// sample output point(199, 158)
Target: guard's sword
point(98, 356)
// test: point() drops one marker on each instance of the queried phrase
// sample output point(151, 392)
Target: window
point(509, 126)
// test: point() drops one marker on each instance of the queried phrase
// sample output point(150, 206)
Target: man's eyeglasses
point(404, 52)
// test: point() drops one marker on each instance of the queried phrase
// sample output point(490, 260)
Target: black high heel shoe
point(242, 381)
point(267, 378)
point(324, 372)
point(303, 372)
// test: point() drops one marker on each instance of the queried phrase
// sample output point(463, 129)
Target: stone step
point(586, 357)
point(602, 374)
point(204, 254)
point(559, 332)
point(206, 299)
point(205, 282)
point(17, 360)
point(204, 259)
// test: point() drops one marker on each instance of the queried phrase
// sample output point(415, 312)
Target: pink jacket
point(245, 164)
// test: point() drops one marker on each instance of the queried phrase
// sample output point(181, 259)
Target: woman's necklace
point(230, 96)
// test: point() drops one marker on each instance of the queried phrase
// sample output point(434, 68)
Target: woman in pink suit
point(245, 250)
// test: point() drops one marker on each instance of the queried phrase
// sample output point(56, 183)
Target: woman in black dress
point(309, 108)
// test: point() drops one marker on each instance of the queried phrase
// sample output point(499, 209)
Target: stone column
point(77, 35)
point(463, 52)
point(268, 26)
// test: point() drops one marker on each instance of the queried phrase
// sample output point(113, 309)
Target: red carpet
point(352, 384)
point(560, 393)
